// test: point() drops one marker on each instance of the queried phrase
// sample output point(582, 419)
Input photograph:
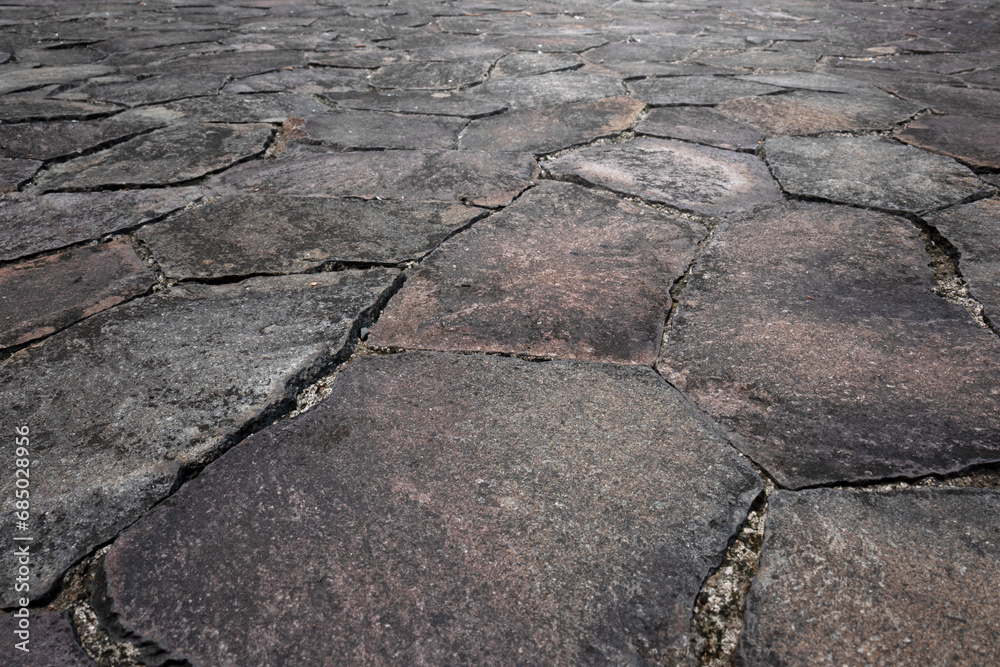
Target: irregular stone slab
point(364, 58)
point(547, 89)
point(302, 81)
point(46, 141)
point(562, 272)
point(119, 404)
point(429, 75)
point(869, 171)
point(478, 178)
point(834, 361)
point(171, 155)
point(695, 90)
point(249, 108)
point(819, 81)
point(757, 59)
point(567, 512)
point(549, 129)
point(974, 230)
point(52, 641)
point(19, 78)
point(15, 173)
point(251, 234)
point(375, 129)
point(552, 43)
point(709, 181)
point(897, 578)
point(235, 64)
point(42, 296)
point(33, 224)
point(701, 126)
point(969, 139)
point(815, 113)
point(523, 64)
point(154, 90)
point(949, 99)
point(442, 104)
point(646, 50)
point(20, 109)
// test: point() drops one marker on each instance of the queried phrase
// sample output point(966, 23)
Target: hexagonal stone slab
point(46, 141)
point(374, 129)
point(121, 403)
point(44, 295)
point(442, 505)
point(974, 230)
point(695, 90)
point(172, 155)
point(694, 178)
point(429, 76)
point(701, 126)
point(834, 361)
point(562, 272)
point(243, 235)
point(869, 171)
point(17, 172)
point(443, 104)
point(543, 90)
point(971, 140)
point(549, 129)
point(898, 578)
point(51, 641)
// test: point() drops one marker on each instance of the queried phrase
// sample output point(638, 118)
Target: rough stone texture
point(44, 295)
point(974, 231)
point(443, 104)
point(562, 272)
point(834, 361)
point(302, 81)
point(171, 155)
point(444, 508)
point(45, 141)
point(815, 113)
point(52, 642)
point(34, 224)
point(820, 81)
point(869, 171)
point(950, 99)
point(899, 578)
point(15, 173)
point(19, 78)
point(479, 178)
point(243, 235)
point(547, 89)
point(970, 140)
point(120, 403)
point(695, 90)
point(429, 76)
point(375, 129)
point(524, 64)
point(694, 178)
point(250, 108)
point(20, 109)
point(549, 129)
point(701, 126)
point(135, 92)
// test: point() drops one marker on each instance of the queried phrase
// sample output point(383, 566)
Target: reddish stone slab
point(971, 140)
point(974, 230)
point(701, 126)
point(695, 90)
point(903, 577)
point(439, 508)
point(834, 361)
point(374, 129)
point(562, 272)
point(52, 641)
point(815, 113)
point(709, 181)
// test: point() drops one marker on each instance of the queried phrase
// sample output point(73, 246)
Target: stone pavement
point(468, 332)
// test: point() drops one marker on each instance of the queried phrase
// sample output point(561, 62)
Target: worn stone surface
point(820, 81)
point(547, 89)
point(694, 178)
point(549, 129)
point(524, 64)
point(899, 578)
point(120, 403)
point(443, 104)
point(562, 272)
point(244, 235)
point(376, 129)
point(949, 99)
point(45, 141)
point(695, 90)
point(249, 108)
point(474, 177)
point(974, 231)
point(302, 81)
point(51, 641)
point(971, 140)
point(869, 171)
point(44, 295)
point(429, 76)
point(132, 91)
point(477, 507)
point(834, 361)
point(16, 172)
point(20, 78)
point(701, 126)
point(20, 109)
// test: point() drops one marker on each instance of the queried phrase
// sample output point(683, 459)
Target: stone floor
point(468, 332)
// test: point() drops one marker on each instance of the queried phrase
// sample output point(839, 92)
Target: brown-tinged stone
point(243, 235)
point(542, 90)
point(42, 296)
point(949, 99)
point(902, 577)
point(562, 272)
point(442, 104)
point(51, 641)
point(474, 177)
point(803, 112)
point(16, 172)
point(429, 75)
point(974, 231)
point(443, 508)
point(695, 90)
point(709, 181)
point(46, 141)
point(549, 129)
point(171, 155)
point(701, 126)
point(120, 404)
point(20, 109)
point(834, 361)
point(969, 139)
point(376, 129)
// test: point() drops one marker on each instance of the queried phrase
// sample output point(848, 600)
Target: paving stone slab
point(225, 108)
point(551, 43)
point(324, 80)
point(949, 99)
point(51, 641)
point(44, 295)
point(19, 78)
point(155, 90)
point(895, 578)
point(46, 141)
point(549, 129)
point(473, 177)
point(442, 104)
point(818, 81)
point(33, 224)
point(365, 58)
point(244, 235)
point(834, 361)
point(19, 109)
point(814, 113)
point(429, 75)
point(118, 404)
point(709, 181)
point(643, 51)
point(971, 140)
point(235, 64)
point(377, 129)
point(757, 59)
point(974, 230)
point(701, 126)
point(562, 272)
point(547, 89)
point(695, 90)
point(869, 171)
point(446, 508)
point(524, 64)
point(171, 155)
point(16, 172)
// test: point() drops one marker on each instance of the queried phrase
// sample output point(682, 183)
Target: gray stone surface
point(118, 405)
point(60, 139)
point(695, 90)
point(524, 64)
point(376, 129)
point(548, 89)
point(132, 91)
point(701, 126)
point(971, 140)
point(16, 172)
point(479, 508)
point(319, 80)
point(249, 108)
point(429, 76)
point(949, 99)
point(20, 109)
point(52, 641)
point(440, 103)
point(20, 78)
point(820, 81)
